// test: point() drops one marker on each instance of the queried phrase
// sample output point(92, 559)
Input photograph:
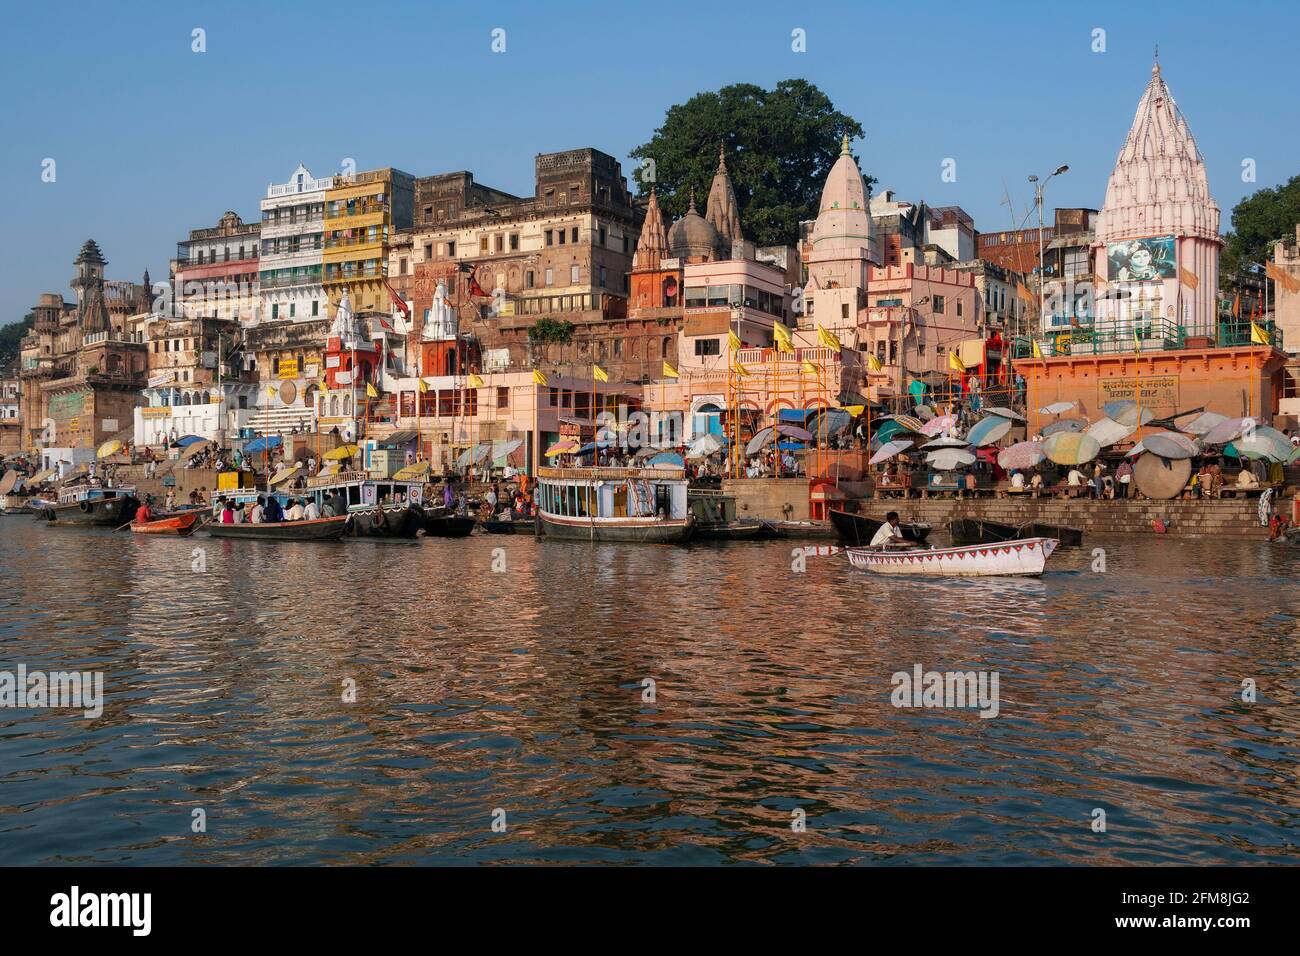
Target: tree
point(1257, 222)
point(779, 145)
point(11, 336)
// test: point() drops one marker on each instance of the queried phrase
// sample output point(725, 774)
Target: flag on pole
point(1236, 306)
point(424, 386)
point(370, 390)
point(669, 371)
point(474, 381)
point(741, 370)
point(808, 367)
point(599, 374)
point(733, 342)
point(475, 289)
point(827, 339)
point(955, 363)
point(1137, 341)
point(272, 391)
point(538, 378)
point(781, 338)
point(398, 300)
point(1038, 352)
point(1258, 336)
point(854, 410)
point(1188, 278)
point(873, 362)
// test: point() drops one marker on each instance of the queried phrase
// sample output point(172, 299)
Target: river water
point(509, 687)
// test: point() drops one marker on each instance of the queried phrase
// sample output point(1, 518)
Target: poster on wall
point(1135, 260)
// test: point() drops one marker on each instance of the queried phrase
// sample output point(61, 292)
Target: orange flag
point(1282, 277)
point(1188, 278)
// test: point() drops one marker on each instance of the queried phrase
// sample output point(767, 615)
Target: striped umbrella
point(889, 450)
point(1071, 448)
point(1025, 454)
point(988, 430)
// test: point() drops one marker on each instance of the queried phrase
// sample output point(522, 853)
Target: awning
point(40, 476)
point(400, 438)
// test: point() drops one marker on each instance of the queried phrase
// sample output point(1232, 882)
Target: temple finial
point(844, 145)
point(1155, 68)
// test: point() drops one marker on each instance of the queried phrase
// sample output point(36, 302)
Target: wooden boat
point(182, 524)
point(1024, 558)
point(382, 507)
point(716, 519)
point(1069, 537)
point(803, 529)
point(978, 531)
point(860, 529)
point(513, 526)
point(645, 505)
point(386, 522)
point(441, 523)
point(87, 506)
point(318, 529)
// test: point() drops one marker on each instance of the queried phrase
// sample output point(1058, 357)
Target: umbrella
point(836, 420)
point(1264, 442)
point(284, 474)
point(1025, 454)
point(1127, 412)
point(1170, 445)
point(1057, 408)
point(1203, 422)
point(889, 450)
point(949, 459)
point(1160, 478)
point(1071, 448)
point(988, 430)
point(924, 412)
point(412, 472)
point(764, 435)
point(565, 447)
point(850, 397)
point(109, 448)
point(335, 454)
point(1294, 456)
point(267, 442)
point(1064, 425)
point(887, 430)
point(909, 423)
point(194, 448)
point(1227, 430)
point(937, 426)
point(704, 446)
point(1108, 431)
point(592, 446)
point(185, 441)
point(946, 443)
point(667, 458)
point(1004, 413)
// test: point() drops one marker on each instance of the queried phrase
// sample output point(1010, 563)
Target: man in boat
point(889, 533)
point(295, 511)
point(311, 512)
point(143, 514)
point(271, 511)
point(258, 514)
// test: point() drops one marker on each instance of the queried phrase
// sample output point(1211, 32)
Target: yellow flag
point(424, 386)
point(599, 373)
point(955, 362)
point(272, 391)
point(781, 338)
point(827, 339)
point(874, 363)
point(474, 381)
point(1038, 352)
point(855, 410)
point(733, 342)
point(669, 371)
point(370, 390)
point(808, 367)
point(741, 370)
point(538, 378)
point(1258, 336)
point(1137, 342)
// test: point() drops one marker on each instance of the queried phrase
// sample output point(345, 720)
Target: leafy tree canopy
point(779, 144)
point(1257, 221)
point(10, 338)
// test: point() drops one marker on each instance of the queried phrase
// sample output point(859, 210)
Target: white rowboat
point(1025, 556)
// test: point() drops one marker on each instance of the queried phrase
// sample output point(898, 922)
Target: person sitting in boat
point(144, 514)
point(295, 512)
point(258, 514)
point(272, 512)
point(227, 512)
point(311, 512)
point(889, 533)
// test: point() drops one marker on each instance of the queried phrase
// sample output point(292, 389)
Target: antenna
point(1006, 201)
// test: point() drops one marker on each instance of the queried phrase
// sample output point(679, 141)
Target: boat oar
point(127, 525)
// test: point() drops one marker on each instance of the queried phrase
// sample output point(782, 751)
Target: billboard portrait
point(1134, 260)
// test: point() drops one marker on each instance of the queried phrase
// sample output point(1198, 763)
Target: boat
point(1069, 537)
point(1022, 558)
point(803, 529)
point(646, 505)
point(381, 507)
point(716, 519)
point(92, 506)
point(978, 531)
point(444, 523)
point(182, 524)
point(523, 525)
point(317, 529)
point(861, 529)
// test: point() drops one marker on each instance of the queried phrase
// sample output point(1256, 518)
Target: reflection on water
point(523, 691)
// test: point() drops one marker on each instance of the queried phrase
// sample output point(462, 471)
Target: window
point(483, 245)
point(275, 310)
point(550, 237)
point(550, 276)
point(315, 307)
point(428, 250)
point(618, 348)
point(959, 308)
point(428, 211)
point(625, 245)
point(573, 237)
point(560, 233)
point(528, 279)
point(938, 304)
point(844, 310)
point(401, 267)
point(600, 233)
point(602, 275)
point(451, 250)
point(573, 274)
point(706, 347)
point(514, 242)
point(503, 397)
point(293, 308)
point(500, 244)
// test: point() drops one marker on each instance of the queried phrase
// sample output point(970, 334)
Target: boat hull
point(514, 526)
point(97, 512)
point(860, 529)
point(180, 525)
point(1069, 537)
point(443, 525)
point(742, 529)
point(1022, 558)
point(965, 531)
point(634, 530)
point(386, 523)
point(319, 529)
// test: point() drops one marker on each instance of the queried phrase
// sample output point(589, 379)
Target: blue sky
point(152, 139)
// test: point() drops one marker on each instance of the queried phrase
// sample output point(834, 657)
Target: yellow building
point(362, 213)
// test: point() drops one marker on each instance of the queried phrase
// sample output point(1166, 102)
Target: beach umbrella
point(266, 442)
point(945, 442)
point(185, 441)
point(1161, 478)
point(850, 397)
point(1064, 425)
point(886, 430)
point(1127, 412)
point(909, 423)
point(1267, 443)
point(949, 459)
point(668, 458)
point(1071, 448)
point(334, 454)
point(1171, 445)
point(1057, 408)
point(925, 412)
point(836, 420)
point(1227, 430)
point(192, 450)
point(988, 430)
point(1001, 412)
point(412, 472)
point(1025, 454)
point(1203, 423)
point(283, 475)
point(562, 447)
point(9, 482)
point(937, 426)
point(889, 450)
point(1108, 432)
point(764, 435)
point(704, 446)
point(109, 448)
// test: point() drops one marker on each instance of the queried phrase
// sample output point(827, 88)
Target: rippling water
point(522, 690)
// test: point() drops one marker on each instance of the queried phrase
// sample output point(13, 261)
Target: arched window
point(347, 404)
point(334, 406)
point(668, 345)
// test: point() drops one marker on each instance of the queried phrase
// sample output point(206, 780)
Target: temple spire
point(722, 211)
point(652, 245)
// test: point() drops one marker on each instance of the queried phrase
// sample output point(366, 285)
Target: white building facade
point(293, 216)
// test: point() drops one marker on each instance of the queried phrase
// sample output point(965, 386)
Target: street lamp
point(1038, 200)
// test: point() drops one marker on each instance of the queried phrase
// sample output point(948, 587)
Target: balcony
point(1156, 335)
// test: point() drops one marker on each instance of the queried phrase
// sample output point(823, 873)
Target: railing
point(361, 210)
point(291, 189)
point(356, 241)
point(1158, 335)
point(1239, 332)
point(610, 474)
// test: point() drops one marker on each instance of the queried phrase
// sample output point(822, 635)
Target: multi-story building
point(290, 281)
point(82, 365)
point(363, 213)
point(214, 274)
point(1285, 307)
point(10, 406)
